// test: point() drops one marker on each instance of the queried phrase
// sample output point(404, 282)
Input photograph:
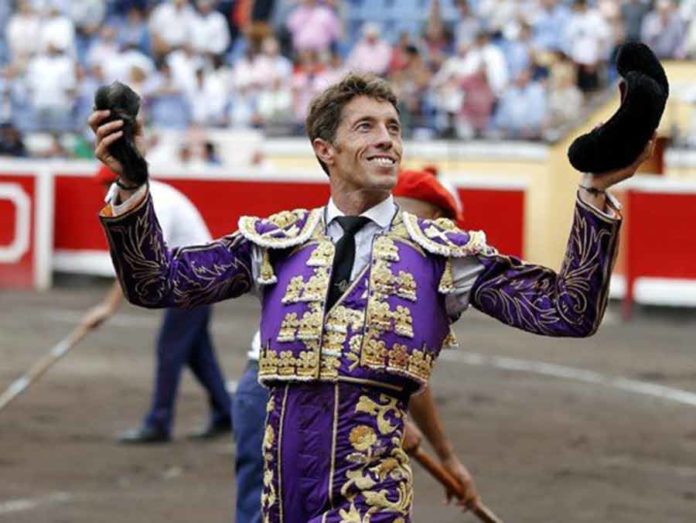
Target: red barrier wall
point(17, 204)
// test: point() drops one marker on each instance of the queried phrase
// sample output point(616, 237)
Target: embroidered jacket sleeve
point(527, 296)
point(151, 275)
point(537, 299)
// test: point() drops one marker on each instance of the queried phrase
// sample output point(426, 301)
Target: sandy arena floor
point(553, 430)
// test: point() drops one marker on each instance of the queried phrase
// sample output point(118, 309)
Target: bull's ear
point(619, 141)
point(124, 104)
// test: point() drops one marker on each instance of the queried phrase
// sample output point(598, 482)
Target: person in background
point(184, 336)
point(11, 143)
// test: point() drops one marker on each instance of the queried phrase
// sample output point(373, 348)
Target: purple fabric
point(274, 311)
point(536, 299)
point(333, 347)
point(153, 276)
point(354, 431)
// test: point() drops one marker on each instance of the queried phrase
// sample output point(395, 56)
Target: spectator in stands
point(126, 61)
point(522, 109)
point(564, 99)
point(487, 57)
point(304, 83)
point(51, 79)
point(550, 24)
point(210, 154)
point(275, 104)
point(57, 31)
point(587, 42)
point(399, 55)
point(210, 31)
point(663, 30)
point(88, 80)
point(690, 40)
point(55, 148)
point(207, 99)
point(467, 25)
point(518, 50)
point(632, 14)
point(371, 54)
point(184, 63)
point(479, 99)
point(132, 30)
point(87, 17)
point(11, 143)
point(411, 84)
point(313, 26)
point(436, 41)
point(171, 26)
point(22, 31)
point(242, 110)
point(165, 100)
point(270, 65)
point(499, 16)
point(447, 92)
point(331, 71)
point(104, 48)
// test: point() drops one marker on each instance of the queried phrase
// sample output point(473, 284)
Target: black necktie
point(344, 257)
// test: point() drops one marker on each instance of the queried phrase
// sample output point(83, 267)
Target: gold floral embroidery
point(387, 406)
point(293, 290)
point(385, 249)
point(269, 495)
point(362, 437)
point(376, 463)
point(313, 290)
point(288, 329)
point(403, 322)
point(311, 323)
point(266, 276)
point(446, 285)
point(322, 256)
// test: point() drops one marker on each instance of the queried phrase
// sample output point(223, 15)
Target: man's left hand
point(603, 181)
point(457, 469)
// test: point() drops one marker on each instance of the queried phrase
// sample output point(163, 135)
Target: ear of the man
point(324, 150)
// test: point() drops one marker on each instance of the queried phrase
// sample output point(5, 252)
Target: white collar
point(382, 213)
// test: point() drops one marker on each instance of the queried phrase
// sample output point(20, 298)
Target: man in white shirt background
point(184, 338)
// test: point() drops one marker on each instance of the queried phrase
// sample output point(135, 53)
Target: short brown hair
point(326, 108)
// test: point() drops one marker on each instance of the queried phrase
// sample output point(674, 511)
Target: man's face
point(366, 152)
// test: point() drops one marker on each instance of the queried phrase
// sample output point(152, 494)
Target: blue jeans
point(249, 415)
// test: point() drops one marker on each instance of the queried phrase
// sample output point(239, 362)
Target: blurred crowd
point(513, 69)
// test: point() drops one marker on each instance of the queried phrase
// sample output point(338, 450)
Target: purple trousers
point(332, 453)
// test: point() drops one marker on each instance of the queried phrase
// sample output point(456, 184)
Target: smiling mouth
point(382, 161)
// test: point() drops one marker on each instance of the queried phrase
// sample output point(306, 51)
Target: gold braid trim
point(438, 237)
point(285, 225)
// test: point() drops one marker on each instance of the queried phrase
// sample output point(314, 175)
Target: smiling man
point(357, 301)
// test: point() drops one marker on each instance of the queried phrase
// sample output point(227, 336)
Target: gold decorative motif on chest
point(322, 255)
point(311, 323)
point(288, 329)
point(385, 249)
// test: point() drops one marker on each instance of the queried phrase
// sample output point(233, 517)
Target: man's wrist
point(126, 185)
point(593, 183)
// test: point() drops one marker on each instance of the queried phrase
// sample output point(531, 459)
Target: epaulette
point(281, 230)
point(443, 237)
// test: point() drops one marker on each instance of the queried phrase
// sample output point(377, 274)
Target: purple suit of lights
point(340, 379)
